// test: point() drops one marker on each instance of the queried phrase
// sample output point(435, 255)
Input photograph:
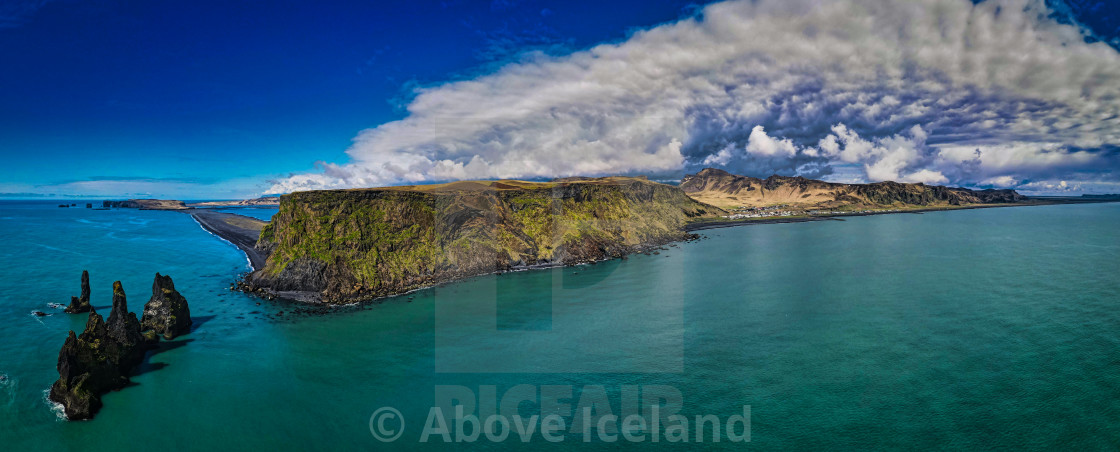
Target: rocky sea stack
point(166, 312)
point(81, 304)
point(103, 356)
point(99, 360)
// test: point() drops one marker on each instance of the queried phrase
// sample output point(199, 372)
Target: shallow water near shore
point(991, 328)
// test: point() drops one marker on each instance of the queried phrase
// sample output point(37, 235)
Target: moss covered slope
point(349, 245)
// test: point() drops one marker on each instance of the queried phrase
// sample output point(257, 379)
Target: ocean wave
point(8, 385)
point(98, 224)
point(113, 235)
point(57, 249)
point(57, 305)
point(55, 407)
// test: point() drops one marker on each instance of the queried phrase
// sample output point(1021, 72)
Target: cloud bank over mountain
point(937, 91)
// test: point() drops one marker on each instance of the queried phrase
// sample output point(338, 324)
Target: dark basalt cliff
point(726, 189)
point(350, 245)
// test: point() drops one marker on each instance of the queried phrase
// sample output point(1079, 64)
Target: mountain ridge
point(726, 190)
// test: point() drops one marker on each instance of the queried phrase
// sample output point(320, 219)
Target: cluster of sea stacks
point(102, 358)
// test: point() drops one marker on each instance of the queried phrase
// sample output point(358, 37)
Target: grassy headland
point(341, 246)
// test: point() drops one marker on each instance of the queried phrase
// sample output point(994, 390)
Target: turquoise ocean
point(977, 329)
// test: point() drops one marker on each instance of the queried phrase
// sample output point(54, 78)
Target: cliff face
point(724, 189)
point(349, 245)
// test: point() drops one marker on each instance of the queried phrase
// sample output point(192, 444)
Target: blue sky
point(232, 99)
point(220, 96)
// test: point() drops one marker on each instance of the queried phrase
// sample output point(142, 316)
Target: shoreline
point(244, 239)
point(840, 217)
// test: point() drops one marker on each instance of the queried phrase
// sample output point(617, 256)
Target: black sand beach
point(240, 230)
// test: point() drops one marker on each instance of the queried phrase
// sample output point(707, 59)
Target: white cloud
point(720, 158)
point(895, 158)
point(759, 143)
point(1001, 181)
point(925, 176)
point(789, 81)
point(1051, 186)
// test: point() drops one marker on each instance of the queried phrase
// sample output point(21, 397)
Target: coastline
point(699, 226)
point(244, 238)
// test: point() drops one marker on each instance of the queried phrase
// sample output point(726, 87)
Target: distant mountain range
point(729, 191)
point(270, 201)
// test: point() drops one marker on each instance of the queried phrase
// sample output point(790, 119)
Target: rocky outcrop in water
point(100, 359)
point(81, 303)
point(166, 313)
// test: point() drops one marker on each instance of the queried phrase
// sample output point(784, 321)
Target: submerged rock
point(166, 312)
point(81, 304)
point(99, 360)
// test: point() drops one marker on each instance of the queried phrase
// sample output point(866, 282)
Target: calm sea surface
point(993, 328)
